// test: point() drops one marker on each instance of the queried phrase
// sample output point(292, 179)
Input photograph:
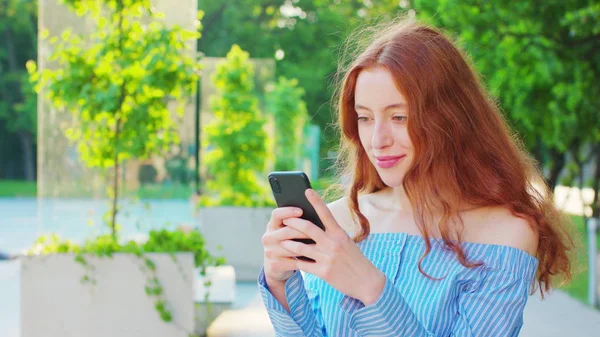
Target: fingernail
point(298, 211)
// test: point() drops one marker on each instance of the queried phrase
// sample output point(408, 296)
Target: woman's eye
point(399, 118)
point(362, 119)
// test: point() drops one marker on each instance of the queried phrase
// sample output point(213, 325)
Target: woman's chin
point(391, 179)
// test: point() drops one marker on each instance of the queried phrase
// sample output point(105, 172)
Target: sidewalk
point(559, 315)
point(251, 321)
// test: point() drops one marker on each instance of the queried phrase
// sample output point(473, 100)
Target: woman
point(441, 231)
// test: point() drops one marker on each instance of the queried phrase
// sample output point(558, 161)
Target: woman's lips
point(388, 161)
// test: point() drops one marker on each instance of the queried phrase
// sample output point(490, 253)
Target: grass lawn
point(164, 191)
point(17, 188)
point(578, 287)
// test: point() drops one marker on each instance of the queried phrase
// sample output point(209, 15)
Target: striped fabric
point(483, 301)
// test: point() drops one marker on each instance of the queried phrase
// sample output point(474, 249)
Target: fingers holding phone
point(281, 213)
point(279, 262)
point(289, 191)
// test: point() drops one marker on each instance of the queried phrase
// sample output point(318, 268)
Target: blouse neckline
point(416, 239)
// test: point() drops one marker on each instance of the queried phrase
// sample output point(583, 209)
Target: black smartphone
point(288, 189)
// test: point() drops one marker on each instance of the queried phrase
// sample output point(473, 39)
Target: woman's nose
point(382, 135)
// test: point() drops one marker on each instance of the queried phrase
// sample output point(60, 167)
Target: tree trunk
point(28, 155)
point(14, 87)
point(596, 185)
point(557, 160)
point(11, 53)
point(537, 153)
point(114, 210)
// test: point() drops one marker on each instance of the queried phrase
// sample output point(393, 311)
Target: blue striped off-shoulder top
point(484, 301)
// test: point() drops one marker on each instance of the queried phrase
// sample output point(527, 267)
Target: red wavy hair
point(464, 150)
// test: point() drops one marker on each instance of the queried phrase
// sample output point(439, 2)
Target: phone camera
point(275, 185)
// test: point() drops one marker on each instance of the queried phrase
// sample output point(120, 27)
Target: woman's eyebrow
point(392, 106)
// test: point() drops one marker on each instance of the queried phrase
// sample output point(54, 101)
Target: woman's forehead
point(376, 88)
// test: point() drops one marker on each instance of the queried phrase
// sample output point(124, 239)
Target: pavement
point(250, 321)
point(559, 315)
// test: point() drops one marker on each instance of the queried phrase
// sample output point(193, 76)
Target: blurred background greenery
point(538, 58)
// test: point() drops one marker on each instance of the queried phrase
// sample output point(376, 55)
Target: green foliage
point(286, 104)
point(164, 241)
point(237, 137)
point(18, 102)
point(540, 61)
point(159, 241)
point(537, 68)
point(147, 174)
point(118, 81)
point(178, 170)
point(307, 32)
point(18, 105)
point(20, 115)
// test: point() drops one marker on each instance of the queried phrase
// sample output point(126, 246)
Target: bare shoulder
point(343, 214)
point(501, 227)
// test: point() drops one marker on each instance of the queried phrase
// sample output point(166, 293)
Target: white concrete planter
point(55, 302)
point(211, 301)
point(238, 230)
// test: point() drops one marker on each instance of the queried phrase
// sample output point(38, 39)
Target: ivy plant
point(105, 246)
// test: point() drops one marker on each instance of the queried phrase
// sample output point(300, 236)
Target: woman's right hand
point(280, 263)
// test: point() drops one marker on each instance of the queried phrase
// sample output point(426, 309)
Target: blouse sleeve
point(304, 318)
point(493, 307)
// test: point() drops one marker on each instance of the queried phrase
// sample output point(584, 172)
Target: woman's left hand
point(338, 260)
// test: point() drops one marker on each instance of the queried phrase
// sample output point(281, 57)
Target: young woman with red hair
point(446, 226)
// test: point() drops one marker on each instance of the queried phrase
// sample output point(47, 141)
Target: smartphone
point(288, 189)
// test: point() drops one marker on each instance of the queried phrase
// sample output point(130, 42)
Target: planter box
point(55, 302)
point(221, 295)
point(238, 230)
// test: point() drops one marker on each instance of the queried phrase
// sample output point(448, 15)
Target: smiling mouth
point(388, 161)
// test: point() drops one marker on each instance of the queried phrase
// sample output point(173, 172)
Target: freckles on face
point(382, 117)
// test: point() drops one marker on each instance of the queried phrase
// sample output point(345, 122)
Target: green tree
point(237, 138)
point(584, 26)
point(540, 60)
point(118, 82)
point(289, 111)
point(303, 36)
point(18, 102)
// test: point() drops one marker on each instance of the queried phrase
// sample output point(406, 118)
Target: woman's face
point(382, 113)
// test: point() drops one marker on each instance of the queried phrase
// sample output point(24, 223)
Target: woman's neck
point(397, 200)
